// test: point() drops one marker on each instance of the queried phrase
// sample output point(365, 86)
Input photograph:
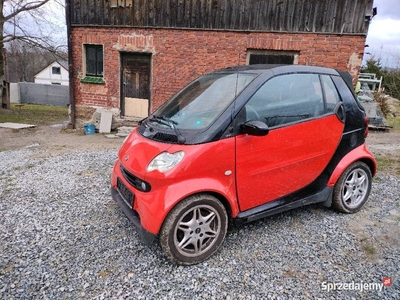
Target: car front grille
point(135, 181)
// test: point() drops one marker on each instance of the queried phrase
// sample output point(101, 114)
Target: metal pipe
point(70, 63)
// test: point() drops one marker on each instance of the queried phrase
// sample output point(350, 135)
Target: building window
point(94, 60)
point(121, 3)
point(272, 57)
point(56, 70)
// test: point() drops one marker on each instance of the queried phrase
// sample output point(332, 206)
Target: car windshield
point(201, 102)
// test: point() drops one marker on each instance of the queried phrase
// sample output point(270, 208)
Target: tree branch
point(25, 7)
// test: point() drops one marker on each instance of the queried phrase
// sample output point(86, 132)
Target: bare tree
point(17, 20)
point(24, 61)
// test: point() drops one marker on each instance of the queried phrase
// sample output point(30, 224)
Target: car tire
point(194, 229)
point(352, 189)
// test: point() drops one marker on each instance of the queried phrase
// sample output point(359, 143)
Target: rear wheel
point(194, 229)
point(352, 189)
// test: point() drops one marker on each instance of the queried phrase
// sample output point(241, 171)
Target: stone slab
point(111, 136)
point(105, 121)
point(122, 134)
point(16, 125)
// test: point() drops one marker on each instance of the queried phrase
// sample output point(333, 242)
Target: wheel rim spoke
point(186, 240)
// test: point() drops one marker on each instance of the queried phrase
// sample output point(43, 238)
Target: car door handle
point(340, 112)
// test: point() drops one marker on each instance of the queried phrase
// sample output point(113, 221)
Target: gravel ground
point(63, 237)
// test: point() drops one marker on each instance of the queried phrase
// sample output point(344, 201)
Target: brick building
point(132, 55)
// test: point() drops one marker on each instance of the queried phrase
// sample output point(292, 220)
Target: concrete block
point(105, 121)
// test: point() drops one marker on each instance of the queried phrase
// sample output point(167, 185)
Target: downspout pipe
point(71, 125)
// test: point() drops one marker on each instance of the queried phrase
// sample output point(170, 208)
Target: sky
point(384, 34)
point(48, 21)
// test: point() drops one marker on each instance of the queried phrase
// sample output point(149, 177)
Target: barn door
point(135, 84)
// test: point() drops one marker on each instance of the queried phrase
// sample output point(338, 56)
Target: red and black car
point(241, 144)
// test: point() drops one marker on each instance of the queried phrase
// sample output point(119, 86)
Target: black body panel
point(282, 205)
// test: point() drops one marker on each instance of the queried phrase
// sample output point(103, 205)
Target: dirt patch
point(383, 140)
point(386, 148)
point(384, 143)
point(54, 139)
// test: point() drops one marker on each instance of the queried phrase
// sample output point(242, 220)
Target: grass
point(388, 164)
point(34, 114)
point(369, 249)
point(394, 122)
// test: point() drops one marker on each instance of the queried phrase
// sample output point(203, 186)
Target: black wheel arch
point(370, 165)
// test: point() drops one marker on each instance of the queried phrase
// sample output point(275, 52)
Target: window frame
point(121, 3)
point(312, 116)
point(333, 89)
point(295, 54)
point(55, 68)
point(96, 72)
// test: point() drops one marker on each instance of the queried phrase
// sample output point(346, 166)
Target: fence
point(45, 94)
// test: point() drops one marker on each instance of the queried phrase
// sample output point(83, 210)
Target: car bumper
point(147, 237)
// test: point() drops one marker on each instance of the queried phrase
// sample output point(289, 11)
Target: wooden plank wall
point(328, 16)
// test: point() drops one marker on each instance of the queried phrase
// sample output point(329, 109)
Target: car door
point(305, 130)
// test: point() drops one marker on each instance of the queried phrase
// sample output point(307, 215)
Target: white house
point(55, 73)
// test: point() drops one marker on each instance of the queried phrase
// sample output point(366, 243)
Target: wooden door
point(135, 84)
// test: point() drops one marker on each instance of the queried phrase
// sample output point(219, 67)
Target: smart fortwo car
point(241, 144)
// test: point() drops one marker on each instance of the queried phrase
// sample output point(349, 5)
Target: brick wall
point(179, 56)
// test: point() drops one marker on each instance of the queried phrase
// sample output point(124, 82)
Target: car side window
point(285, 99)
point(331, 94)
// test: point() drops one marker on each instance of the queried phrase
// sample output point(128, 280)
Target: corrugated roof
point(64, 64)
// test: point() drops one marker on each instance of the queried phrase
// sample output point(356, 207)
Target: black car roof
point(285, 69)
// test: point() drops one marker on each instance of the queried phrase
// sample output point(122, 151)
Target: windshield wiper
point(171, 123)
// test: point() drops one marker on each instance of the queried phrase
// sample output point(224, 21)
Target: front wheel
point(352, 189)
point(194, 229)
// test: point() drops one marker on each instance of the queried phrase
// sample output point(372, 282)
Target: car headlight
point(165, 161)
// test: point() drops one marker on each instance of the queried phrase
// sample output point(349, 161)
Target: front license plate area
point(125, 193)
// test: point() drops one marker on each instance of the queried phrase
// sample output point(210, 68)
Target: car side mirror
point(256, 128)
